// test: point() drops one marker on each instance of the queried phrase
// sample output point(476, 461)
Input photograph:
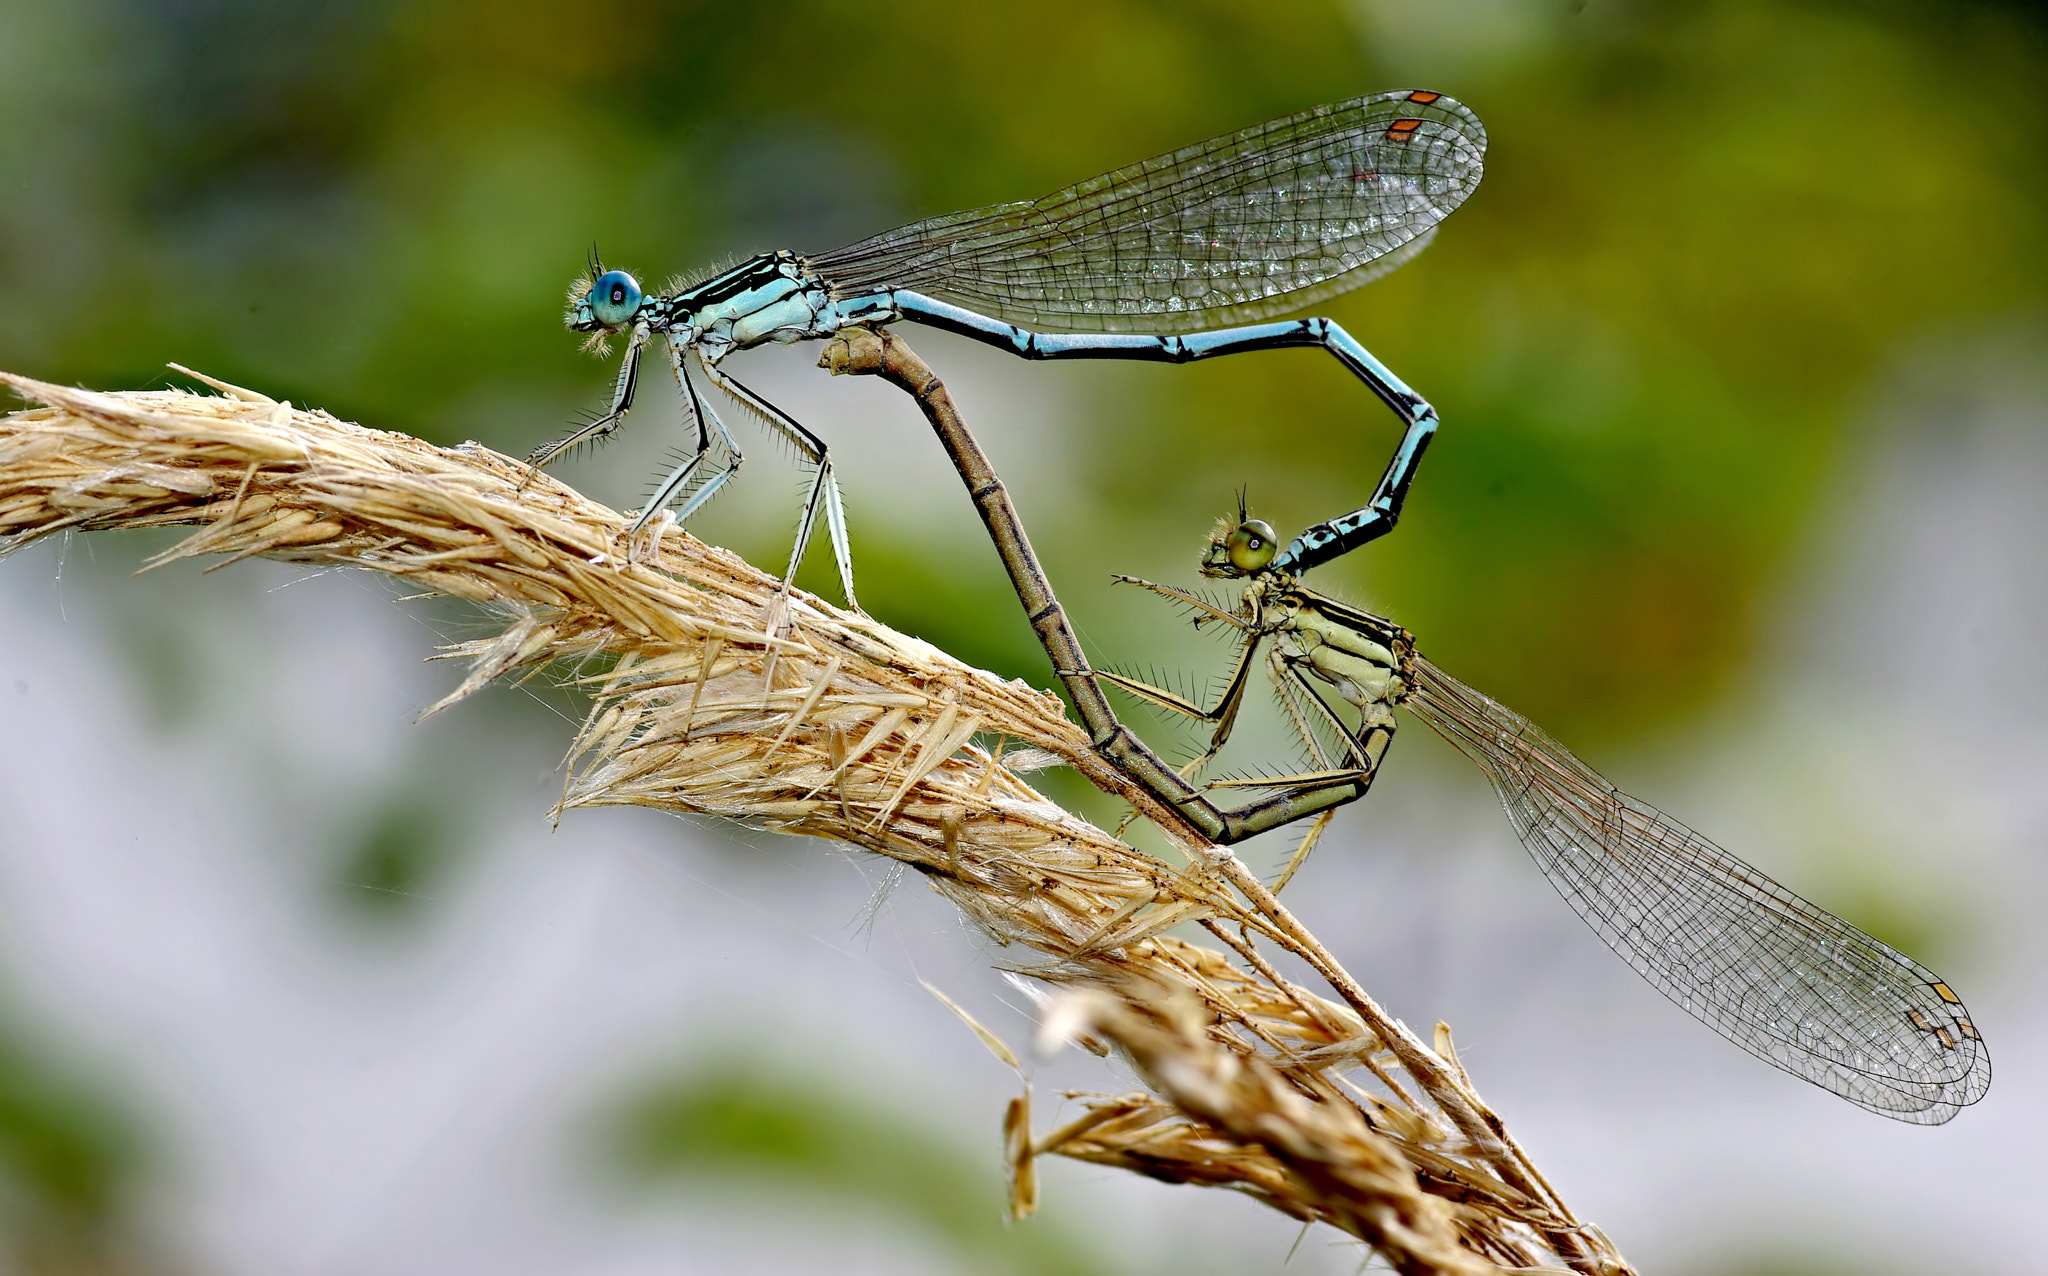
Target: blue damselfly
point(1140, 263)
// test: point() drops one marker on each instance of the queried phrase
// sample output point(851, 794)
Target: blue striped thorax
point(774, 297)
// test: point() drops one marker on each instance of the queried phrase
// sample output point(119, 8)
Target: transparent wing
point(1239, 228)
point(1784, 979)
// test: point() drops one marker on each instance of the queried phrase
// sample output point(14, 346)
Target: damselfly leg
point(1305, 709)
point(706, 420)
point(1346, 771)
point(623, 388)
point(824, 493)
point(715, 446)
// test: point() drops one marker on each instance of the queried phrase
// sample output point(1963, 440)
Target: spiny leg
point(622, 401)
point(824, 493)
point(1362, 749)
point(1210, 610)
point(1306, 792)
point(1308, 843)
point(705, 420)
point(1301, 703)
point(1223, 714)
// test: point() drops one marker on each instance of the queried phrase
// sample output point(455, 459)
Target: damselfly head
point(604, 304)
point(1239, 547)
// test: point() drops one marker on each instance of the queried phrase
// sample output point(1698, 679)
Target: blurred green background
point(1708, 232)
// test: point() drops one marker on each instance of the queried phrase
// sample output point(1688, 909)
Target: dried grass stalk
point(839, 727)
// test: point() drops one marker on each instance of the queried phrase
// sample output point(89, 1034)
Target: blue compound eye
point(614, 298)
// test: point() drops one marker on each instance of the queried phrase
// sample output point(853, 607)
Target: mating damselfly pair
point(1144, 263)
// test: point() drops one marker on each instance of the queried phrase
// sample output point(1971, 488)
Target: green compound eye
point(614, 298)
point(1251, 546)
